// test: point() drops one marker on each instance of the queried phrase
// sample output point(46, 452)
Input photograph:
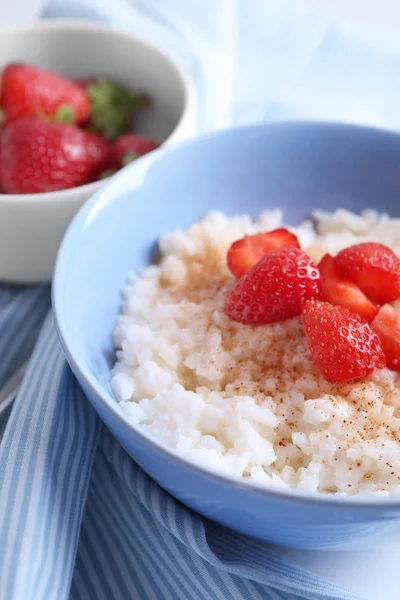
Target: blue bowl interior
point(296, 167)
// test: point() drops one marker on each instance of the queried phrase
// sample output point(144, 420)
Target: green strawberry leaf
point(129, 158)
point(113, 107)
point(107, 173)
point(64, 114)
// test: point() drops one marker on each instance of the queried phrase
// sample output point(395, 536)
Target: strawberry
point(338, 290)
point(84, 82)
point(38, 156)
point(343, 345)
point(387, 325)
point(29, 91)
point(246, 252)
point(128, 147)
point(374, 268)
point(275, 288)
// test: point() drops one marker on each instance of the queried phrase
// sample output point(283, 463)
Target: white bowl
point(32, 225)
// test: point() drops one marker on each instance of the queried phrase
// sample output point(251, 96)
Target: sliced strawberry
point(343, 345)
point(246, 252)
point(387, 325)
point(275, 288)
point(338, 290)
point(374, 268)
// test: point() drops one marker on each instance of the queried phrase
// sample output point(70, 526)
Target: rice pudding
point(249, 400)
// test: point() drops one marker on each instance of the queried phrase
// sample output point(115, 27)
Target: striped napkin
point(78, 518)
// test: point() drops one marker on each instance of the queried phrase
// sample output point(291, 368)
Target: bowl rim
point(100, 28)
point(366, 501)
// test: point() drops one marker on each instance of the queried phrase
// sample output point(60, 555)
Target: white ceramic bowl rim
point(295, 495)
point(93, 26)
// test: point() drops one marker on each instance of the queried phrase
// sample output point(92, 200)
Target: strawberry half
point(387, 325)
point(343, 345)
point(338, 290)
point(275, 288)
point(246, 252)
point(374, 268)
point(28, 91)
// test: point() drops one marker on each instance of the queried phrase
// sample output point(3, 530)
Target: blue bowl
point(297, 167)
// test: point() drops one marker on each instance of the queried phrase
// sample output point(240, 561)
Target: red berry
point(130, 146)
point(387, 325)
point(338, 290)
point(275, 288)
point(246, 252)
point(85, 82)
point(38, 156)
point(343, 345)
point(28, 91)
point(374, 268)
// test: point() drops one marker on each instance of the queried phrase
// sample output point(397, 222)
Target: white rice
point(248, 400)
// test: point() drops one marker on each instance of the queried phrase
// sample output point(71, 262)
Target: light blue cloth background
point(78, 519)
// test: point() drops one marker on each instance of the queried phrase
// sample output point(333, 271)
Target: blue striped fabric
point(22, 310)
point(80, 520)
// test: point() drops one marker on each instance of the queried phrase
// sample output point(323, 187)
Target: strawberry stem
point(107, 173)
point(129, 158)
point(64, 114)
point(113, 107)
